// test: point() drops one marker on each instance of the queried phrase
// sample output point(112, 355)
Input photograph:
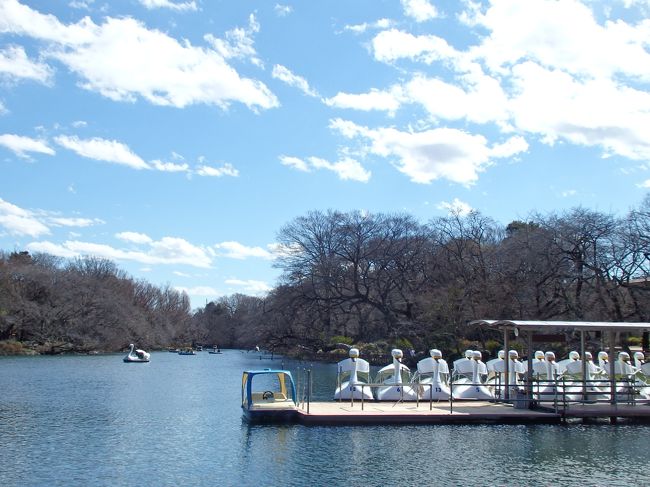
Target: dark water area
point(94, 420)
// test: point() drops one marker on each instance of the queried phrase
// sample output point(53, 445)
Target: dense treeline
point(376, 279)
point(54, 305)
point(388, 280)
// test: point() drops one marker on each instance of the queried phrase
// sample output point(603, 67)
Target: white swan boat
point(350, 372)
point(136, 356)
point(393, 377)
point(594, 390)
point(432, 377)
point(497, 384)
point(471, 374)
point(546, 372)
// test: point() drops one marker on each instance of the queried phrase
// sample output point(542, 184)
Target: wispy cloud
point(456, 207)
point(380, 24)
point(35, 223)
point(236, 250)
point(178, 6)
point(20, 222)
point(102, 150)
point(346, 168)
point(22, 145)
point(15, 65)
point(284, 74)
point(134, 237)
point(420, 10)
point(282, 10)
point(239, 43)
point(441, 153)
point(168, 250)
point(250, 286)
point(170, 72)
point(226, 170)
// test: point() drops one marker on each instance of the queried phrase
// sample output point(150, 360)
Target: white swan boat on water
point(496, 384)
point(135, 356)
point(432, 377)
point(393, 377)
point(350, 373)
point(574, 369)
point(471, 374)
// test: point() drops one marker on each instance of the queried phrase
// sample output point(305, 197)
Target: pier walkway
point(463, 412)
point(343, 413)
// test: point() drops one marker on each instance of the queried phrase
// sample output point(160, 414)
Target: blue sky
point(177, 137)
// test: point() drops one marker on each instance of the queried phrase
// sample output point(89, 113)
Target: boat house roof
point(555, 326)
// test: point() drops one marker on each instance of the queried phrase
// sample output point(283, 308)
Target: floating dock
point(469, 412)
point(343, 413)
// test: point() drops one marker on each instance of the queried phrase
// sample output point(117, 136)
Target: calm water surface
point(75, 421)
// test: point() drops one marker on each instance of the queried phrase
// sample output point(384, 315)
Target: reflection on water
point(97, 421)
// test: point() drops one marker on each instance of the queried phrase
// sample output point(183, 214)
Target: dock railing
point(528, 395)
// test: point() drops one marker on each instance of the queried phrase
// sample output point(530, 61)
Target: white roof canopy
point(549, 326)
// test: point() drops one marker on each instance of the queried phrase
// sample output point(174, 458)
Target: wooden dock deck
point(343, 413)
point(463, 412)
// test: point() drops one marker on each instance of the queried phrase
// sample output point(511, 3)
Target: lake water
point(77, 420)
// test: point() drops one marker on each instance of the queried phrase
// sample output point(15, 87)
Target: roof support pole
point(612, 366)
point(529, 375)
point(506, 346)
point(584, 365)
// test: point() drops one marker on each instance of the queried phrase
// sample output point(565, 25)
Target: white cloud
point(284, 74)
point(511, 147)
point(134, 237)
point(544, 68)
point(21, 145)
point(250, 286)
point(168, 250)
point(178, 6)
point(226, 170)
point(203, 291)
point(479, 98)
point(562, 35)
point(389, 100)
point(123, 60)
point(456, 207)
point(20, 222)
point(295, 163)
point(345, 169)
point(80, 4)
point(169, 166)
point(52, 248)
point(102, 150)
point(34, 223)
point(73, 222)
point(392, 45)
point(420, 10)
point(361, 28)
point(14, 63)
point(239, 43)
point(282, 10)
point(236, 250)
point(441, 153)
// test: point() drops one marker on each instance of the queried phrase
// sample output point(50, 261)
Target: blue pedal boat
point(268, 396)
